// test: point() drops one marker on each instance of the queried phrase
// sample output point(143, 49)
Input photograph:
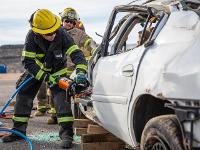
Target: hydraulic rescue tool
point(71, 87)
point(74, 92)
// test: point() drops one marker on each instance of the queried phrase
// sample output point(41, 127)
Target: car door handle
point(128, 70)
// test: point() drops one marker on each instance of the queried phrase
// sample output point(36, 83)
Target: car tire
point(162, 133)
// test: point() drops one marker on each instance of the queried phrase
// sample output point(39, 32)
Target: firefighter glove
point(51, 80)
point(80, 78)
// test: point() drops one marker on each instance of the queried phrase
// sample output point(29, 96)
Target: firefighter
point(145, 36)
point(77, 31)
point(44, 58)
point(69, 19)
point(72, 13)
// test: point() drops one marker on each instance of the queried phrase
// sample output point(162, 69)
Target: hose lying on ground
point(21, 135)
point(6, 105)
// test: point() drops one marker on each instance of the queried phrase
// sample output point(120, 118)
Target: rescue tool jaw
point(71, 87)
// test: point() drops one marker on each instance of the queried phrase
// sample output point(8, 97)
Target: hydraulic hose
point(6, 105)
point(17, 90)
point(21, 135)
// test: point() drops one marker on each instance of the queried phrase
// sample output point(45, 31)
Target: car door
point(115, 74)
point(114, 77)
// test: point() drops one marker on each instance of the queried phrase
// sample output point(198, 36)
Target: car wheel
point(162, 133)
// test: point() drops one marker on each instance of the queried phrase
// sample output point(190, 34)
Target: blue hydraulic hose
point(19, 134)
point(6, 105)
point(17, 90)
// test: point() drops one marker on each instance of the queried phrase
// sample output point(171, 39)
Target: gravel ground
point(43, 136)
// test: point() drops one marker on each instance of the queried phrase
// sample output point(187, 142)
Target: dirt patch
point(10, 76)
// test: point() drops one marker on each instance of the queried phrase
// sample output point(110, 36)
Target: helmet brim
point(50, 30)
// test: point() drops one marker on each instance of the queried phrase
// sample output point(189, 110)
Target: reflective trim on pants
point(65, 119)
point(20, 119)
point(52, 111)
point(41, 107)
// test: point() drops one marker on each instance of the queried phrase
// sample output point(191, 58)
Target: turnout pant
point(24, 104)
point(42, 98)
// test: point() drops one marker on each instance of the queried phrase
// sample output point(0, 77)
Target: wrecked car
point(145, 76)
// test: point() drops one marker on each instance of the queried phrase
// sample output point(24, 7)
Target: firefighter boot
point(52, 111)
point(41, 109)
point(10, 138)
point(66, 135)
point(20, 127)
point(52, 120)
point(39, 113)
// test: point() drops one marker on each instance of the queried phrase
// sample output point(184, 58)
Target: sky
point(14, 16)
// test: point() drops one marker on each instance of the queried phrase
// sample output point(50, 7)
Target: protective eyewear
point(50, 34)
point(69, 21)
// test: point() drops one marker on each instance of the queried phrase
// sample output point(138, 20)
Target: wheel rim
point(156, 143)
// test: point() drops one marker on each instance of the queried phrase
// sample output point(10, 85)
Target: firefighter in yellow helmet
point(69, 19)
point(71, 22)
point(71, 14)
point(44, 58)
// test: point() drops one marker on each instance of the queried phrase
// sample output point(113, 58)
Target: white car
point(145, 76)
